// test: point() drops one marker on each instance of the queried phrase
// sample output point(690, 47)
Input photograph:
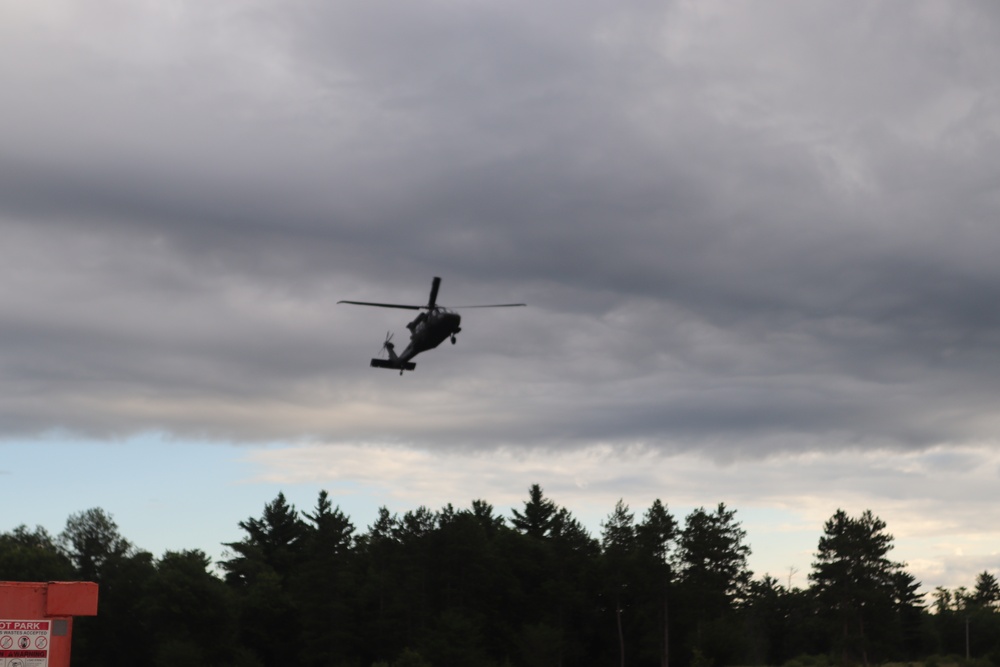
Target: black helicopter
point(427, 331)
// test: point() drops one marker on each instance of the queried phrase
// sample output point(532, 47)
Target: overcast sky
point(758, 242)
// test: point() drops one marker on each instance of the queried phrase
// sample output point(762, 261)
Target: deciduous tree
point(91, 539)
point(32, 555)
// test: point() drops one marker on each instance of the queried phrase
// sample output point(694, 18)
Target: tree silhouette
point(91, 539)
point(619, 545)
point(324, 585)
point(539, 517)
point(712, 559)
point(261, 570)
point(858, 587)
point(32, 555)
point(654, 536)
point(469, 587)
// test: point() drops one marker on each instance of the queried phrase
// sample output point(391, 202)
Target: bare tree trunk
point(621, 635)
point(966, 637)
point(665, 658)
point(864, 648)
point(843, 648)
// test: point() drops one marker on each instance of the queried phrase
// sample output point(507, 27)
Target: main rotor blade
point(494, 305)
point(384, 305)
point(435, 284)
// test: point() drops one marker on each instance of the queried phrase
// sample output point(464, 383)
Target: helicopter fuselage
point(430, 329)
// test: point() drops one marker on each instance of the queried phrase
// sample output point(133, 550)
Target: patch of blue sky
point(164, 493)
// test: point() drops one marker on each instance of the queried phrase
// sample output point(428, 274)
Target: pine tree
point(618, 543)
point(539, 516)
point(712, 559)
point(324, 585)
point(262, 569)
point(272, 543)
point(987, 591)
point(859, 587)
point(655, 535)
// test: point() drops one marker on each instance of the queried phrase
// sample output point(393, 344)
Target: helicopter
point(429, 329)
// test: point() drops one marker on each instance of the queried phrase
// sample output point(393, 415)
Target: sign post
point(36, 620)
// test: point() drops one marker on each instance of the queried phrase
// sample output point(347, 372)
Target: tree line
point(469, 587)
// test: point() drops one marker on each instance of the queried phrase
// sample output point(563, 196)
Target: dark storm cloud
point(733, 222)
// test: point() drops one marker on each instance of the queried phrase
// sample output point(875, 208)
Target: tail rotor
point(387, 346)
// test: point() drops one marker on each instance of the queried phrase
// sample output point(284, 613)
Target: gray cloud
point(740, 228)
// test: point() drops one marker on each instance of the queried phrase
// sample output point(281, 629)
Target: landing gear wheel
point(453, 341)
